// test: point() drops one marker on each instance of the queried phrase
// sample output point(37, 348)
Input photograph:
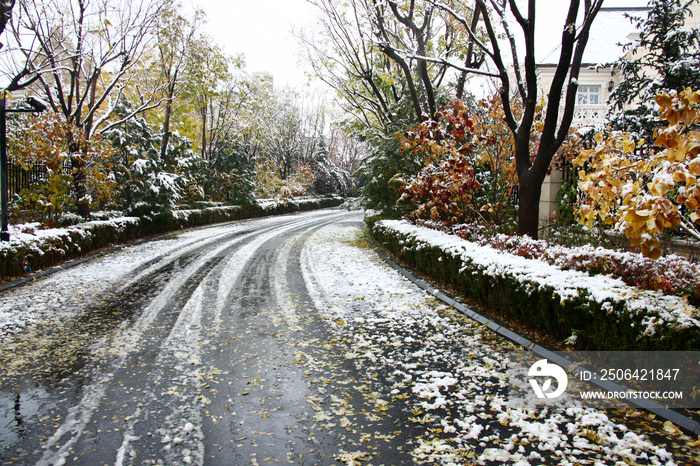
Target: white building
point(609, 31)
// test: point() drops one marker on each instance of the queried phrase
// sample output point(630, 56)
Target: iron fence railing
point(19, 177)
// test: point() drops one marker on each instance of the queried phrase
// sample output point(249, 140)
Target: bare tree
point(532, 168)
point(378, 53)
point(285, 140)
point(82, 54)
point(345, 58)
point(407, 41)
point(238, 113)
point(347, 152)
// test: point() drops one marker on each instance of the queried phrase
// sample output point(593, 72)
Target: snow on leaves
point(656, 309)
point(671, 274)
point(644, 191)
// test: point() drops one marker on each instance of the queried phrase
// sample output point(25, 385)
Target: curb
point(668, 414)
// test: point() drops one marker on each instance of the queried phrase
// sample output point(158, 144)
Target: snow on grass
point(449, 374)
point(657, 308)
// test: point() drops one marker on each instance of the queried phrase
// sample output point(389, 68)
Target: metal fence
point(19, 178)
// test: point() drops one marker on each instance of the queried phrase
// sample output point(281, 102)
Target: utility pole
point(37, 107)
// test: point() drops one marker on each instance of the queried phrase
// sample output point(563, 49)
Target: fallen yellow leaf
point(671, 428)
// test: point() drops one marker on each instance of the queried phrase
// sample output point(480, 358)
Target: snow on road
point(51, 329)
point(46, 298)
point(165, 372)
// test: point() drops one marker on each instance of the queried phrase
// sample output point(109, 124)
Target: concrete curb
point(675, 417)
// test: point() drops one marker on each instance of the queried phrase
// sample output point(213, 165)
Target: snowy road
point(278, 340)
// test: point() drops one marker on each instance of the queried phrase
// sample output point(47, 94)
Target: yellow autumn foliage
point(643, 190)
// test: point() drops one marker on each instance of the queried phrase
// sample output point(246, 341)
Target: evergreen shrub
point(610, 325)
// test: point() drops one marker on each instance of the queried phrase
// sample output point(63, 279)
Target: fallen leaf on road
point(671, 428)
point(351, 459)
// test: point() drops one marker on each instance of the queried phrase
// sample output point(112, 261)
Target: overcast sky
point(261, 29)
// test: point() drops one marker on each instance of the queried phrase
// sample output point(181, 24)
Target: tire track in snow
point(182, 340)
point(179, 409)
point(171, 301)
point(283, 392)
point(252, 323)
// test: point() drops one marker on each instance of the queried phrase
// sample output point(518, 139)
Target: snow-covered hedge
point(165, 221)
point(670, 274)
point(603, 312)
point(33, 248)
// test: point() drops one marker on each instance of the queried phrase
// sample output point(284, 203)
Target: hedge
point(601, 320)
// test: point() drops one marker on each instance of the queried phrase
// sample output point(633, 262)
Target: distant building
point(265, 76)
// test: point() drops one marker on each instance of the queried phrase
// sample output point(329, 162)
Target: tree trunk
point(203, 114)
point(80, 186)
point(472, 61)
point(77, 164)
point(529, 191)
point(391, 53)
point(166, 130)
point(166, 120)
point(204, 138)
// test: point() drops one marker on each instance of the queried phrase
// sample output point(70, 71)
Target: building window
point(588, 95)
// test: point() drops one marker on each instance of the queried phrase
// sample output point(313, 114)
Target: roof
point(610, 29)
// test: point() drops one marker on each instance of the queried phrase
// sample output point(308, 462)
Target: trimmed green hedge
point(19, 258)
point(48, 248)
point(603, 326)
point(176, 220)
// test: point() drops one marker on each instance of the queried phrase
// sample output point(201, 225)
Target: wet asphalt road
point(211, 354)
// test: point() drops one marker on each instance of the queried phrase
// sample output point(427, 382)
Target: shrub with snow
point(606, 313)
point(671, 275)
